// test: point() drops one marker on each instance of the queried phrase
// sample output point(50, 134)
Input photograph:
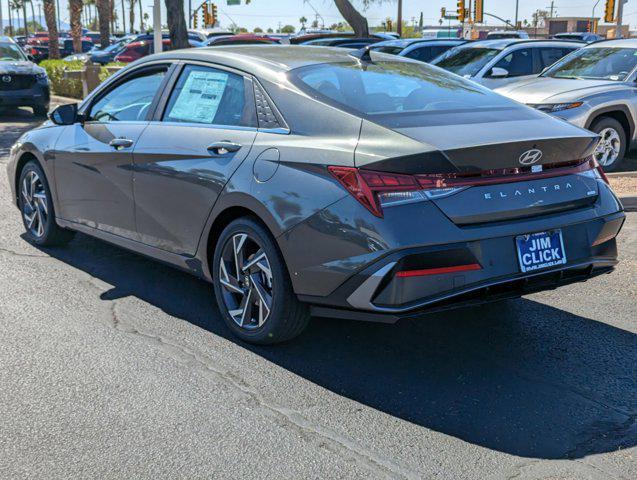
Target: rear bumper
point(377, 293)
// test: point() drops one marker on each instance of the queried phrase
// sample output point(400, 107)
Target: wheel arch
point(25, 158)
point(621, 113)
point(231, 207)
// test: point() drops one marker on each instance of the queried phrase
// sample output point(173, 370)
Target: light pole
point(157, 43)
point(40, 13)
point(516, 13)
point(593, 17)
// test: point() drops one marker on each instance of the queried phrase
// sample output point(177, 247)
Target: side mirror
point(64, 114)
point(30, 57)
point(497, 72)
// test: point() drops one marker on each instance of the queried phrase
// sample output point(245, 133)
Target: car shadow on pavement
point(519, 377)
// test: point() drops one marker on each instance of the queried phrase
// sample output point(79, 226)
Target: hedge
point(66, 87)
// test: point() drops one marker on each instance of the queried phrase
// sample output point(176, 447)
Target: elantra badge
point(530, 156)
point(6, 79)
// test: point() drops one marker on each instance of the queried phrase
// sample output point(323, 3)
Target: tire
point(285, 317)
point(40, 111)
point(36, 208)
point(612, 147)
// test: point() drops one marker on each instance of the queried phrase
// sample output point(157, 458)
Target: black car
point(41, 52)
point(22, 83)
point(306, 180)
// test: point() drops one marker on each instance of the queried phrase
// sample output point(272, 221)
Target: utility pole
point(189, 13)
point(399, 20)
point(516, 12)
point(620, 12)
point(157, 40)
point(39, 14)
point(551, 8)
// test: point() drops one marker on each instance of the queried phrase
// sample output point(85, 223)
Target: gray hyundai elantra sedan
point(311, 180)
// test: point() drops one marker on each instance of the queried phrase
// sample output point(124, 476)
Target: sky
point(268, 13)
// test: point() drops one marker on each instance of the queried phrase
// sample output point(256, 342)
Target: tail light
point(374, 189)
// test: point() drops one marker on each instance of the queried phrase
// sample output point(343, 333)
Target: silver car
point(495, 63)
point(593, 88)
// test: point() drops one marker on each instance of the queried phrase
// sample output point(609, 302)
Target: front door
point(93, 159)
point(186, 156)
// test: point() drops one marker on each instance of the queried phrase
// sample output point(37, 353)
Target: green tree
point(257, 30)
point(288, 29)
point(302, 21)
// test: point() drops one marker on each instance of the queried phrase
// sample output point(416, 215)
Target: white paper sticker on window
point(199, 98)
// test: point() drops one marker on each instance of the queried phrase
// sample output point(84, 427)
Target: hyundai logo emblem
point(530, 156)
point(6, 78)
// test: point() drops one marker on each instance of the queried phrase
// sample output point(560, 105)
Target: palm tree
point(176, 23)
point(52, 27)
point(302, 21)
point(131, 15)
point(75, 7)
point(104, 16)
point(141, 17)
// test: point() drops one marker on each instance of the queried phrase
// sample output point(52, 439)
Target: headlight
point(41, 77)
point(557, 107)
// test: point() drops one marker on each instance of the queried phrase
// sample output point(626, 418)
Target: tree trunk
point(33, 16)
point(104, 16)
point(75, 7)
point(176, 24)
point(52, 27)
point(141, 17)
point(24, 16)
point(123, 18)
point(131, 13)
point(399, 19)
point(112, 14)
point(351, 16)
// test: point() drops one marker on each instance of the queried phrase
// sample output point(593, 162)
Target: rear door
point(189, 151)
point(93, 159)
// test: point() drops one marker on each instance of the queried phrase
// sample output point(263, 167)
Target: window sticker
point(200, 96)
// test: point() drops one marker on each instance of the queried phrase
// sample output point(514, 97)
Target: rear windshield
point(393, 89)
point(465, 61)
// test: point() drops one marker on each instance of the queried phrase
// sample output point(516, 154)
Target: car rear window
point(392, 88)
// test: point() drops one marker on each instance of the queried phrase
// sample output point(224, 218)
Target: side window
point(518, 63)
point(548, 56)
point(129, 101)
point(423, 54)
point(210, 96)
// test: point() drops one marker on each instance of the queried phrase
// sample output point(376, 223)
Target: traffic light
point(206, 15)
point(213, 15)
point(609, 14)
point(478, 11)
point(443, 12)
point(195, 16)
point(461, 11)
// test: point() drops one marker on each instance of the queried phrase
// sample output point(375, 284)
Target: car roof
point(501, 44)
point(4, 38)
point(406, 42)
point(265, 60)
point(615, 43)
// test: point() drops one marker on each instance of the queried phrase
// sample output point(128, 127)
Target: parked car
point(494, 63)
point(593, 88)
point(422, 49)
point(109, 53)
point(504, 34)
point(41, 52)
point(324, 38)
point(305, 180)
point(96, 38)
point(241, 39)
point(22, 83)
point(441, 32)
point(586, 37)
point(135, 50)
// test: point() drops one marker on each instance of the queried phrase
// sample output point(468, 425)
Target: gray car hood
point(557, 90)
point(19, 68)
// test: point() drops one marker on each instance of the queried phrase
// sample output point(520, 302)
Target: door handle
point(119, 143)
point(223, 148)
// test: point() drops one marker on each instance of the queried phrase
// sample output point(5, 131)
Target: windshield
point(393, 91)
point(11, 52)
point(465, 61)
point(596, 64)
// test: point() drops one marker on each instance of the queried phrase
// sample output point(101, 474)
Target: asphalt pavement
point(115, 366)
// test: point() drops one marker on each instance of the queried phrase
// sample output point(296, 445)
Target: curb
point(629, 203)
point(63, 100)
